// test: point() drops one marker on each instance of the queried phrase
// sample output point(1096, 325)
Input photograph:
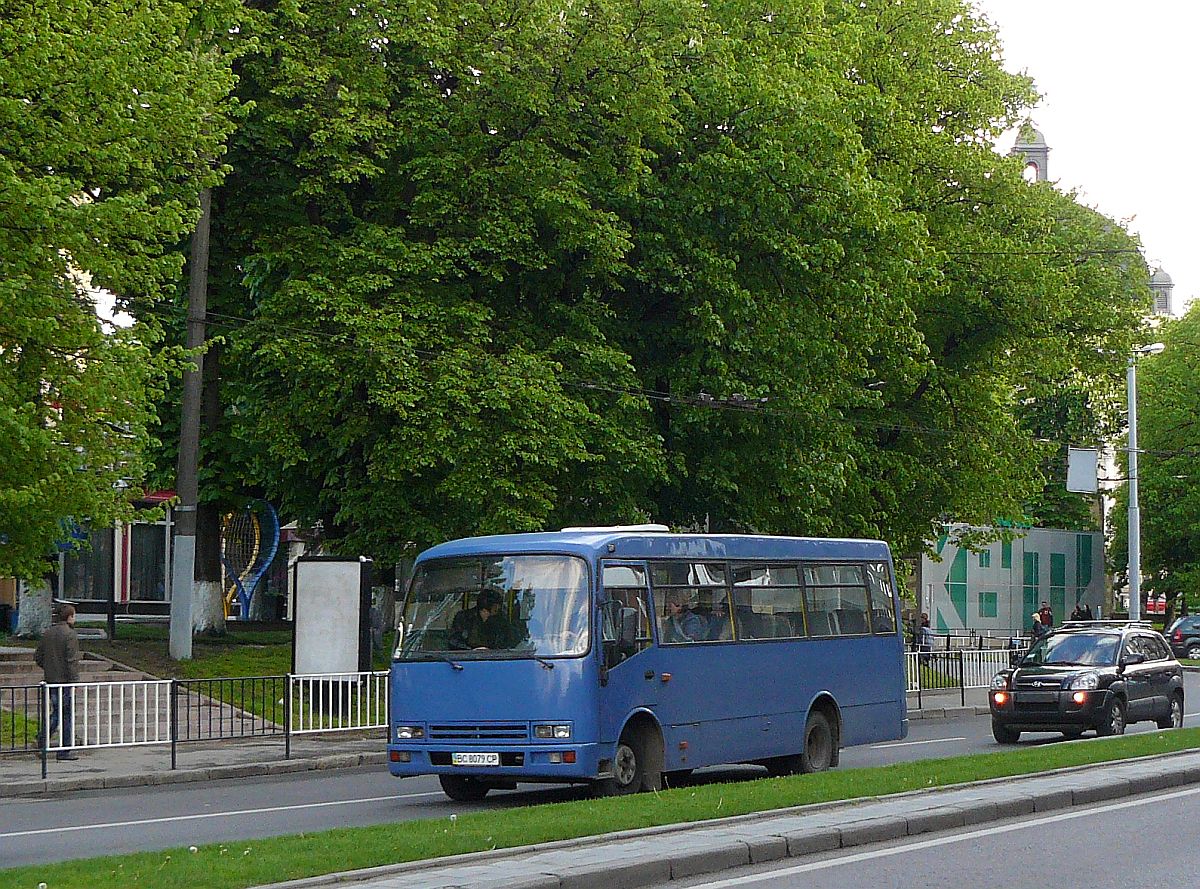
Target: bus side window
point(879, 583)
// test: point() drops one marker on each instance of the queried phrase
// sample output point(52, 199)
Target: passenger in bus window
point(680, 623)
point(719, 627)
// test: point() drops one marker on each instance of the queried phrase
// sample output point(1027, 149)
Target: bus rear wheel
point(818, 744)
point(463, 789)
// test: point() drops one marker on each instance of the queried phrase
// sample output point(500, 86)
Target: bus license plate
point(475, 759)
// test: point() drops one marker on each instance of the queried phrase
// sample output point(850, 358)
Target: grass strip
point(17, 731)
point(255, 862)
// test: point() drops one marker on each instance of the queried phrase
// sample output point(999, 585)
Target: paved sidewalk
point(948, 703)
point(20, 773)
point(646, 857)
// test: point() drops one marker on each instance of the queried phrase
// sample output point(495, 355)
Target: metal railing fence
point(955, 670)
point(106, 714)
point(91, 715)
point(20, 706)
point(339, 702)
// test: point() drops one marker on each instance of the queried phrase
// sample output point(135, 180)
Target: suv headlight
point(999, 681)
point(1085, 682)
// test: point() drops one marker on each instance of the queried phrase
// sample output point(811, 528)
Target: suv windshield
point(1081, 649)
point(496, 607)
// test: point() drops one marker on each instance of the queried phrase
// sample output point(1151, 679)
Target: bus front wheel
point(628, 769)
point(818, 744)
point(463, 789)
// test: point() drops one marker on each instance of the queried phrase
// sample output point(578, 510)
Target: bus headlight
point(409, 732)
point(557, 732)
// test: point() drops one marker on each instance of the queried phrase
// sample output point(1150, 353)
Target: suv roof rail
point(1115, 624)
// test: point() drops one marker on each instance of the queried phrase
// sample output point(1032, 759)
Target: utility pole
point(186, 483)
point(1135, 518)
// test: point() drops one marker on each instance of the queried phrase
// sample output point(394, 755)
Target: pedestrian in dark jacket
point(58, 656)
point(1047, 616)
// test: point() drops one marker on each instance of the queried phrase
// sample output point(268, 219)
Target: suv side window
point(1136, 645)
point(1158, 647)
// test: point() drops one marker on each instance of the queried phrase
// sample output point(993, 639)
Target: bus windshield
point(497, 607)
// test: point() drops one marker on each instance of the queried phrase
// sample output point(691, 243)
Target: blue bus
point(626, 657)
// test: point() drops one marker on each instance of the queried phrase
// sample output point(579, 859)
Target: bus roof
point(618, 543)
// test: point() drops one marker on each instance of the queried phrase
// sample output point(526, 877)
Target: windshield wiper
point(443, 658)
point(549, 665)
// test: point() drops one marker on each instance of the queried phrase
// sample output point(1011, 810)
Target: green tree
point(1024, 290)
point(113, 113)
point(728, 266)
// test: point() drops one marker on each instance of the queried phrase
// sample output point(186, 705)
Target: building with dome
point(1163, 289)
point(1032, 144)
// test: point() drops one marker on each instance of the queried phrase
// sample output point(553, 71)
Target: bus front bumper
point(528, 762)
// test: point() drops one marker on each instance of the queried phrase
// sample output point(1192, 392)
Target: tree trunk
point(33, 608)
point(208, 614)
point(208, 607)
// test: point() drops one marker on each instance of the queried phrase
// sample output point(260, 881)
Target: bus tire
point(628, 768)
point(818, 754)
point(463, 789)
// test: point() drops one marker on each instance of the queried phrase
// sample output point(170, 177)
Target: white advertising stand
point(332, 622)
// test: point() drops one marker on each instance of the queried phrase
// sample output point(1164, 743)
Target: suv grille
point(479, 731)
point(1039, 683)
point(1036, 706)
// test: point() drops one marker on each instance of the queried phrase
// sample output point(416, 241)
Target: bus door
point(628, 678)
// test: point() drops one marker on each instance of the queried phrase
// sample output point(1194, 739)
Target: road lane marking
point(210, 815)
point(912, 743)
point(941, 841)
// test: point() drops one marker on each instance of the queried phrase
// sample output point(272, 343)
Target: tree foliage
point(492, 267)
point(113, 113)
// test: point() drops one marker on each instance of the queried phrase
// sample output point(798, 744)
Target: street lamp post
point(1135, 518)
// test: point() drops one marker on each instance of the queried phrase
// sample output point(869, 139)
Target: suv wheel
point(1113, 722)
point(1174, 717)
point(1003, 734)
point(1193, 650)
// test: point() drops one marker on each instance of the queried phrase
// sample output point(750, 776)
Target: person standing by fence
point(58, 656)
point(925, 638)
point(1037, 629)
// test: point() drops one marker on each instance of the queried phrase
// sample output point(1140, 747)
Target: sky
point(1118, 81)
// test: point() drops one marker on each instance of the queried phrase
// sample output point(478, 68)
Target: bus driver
point(481, 627)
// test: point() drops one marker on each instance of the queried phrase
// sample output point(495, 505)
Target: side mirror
point(1132, 659)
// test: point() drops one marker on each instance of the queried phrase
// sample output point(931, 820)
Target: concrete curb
point(13, 789)
point(636, 860)
point(947, 712)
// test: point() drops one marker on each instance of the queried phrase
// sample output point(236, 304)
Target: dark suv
point(1089, 674)
point(1184, 637)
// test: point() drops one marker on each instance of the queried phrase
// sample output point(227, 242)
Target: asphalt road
point(239, 812)
point(1077, 847)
